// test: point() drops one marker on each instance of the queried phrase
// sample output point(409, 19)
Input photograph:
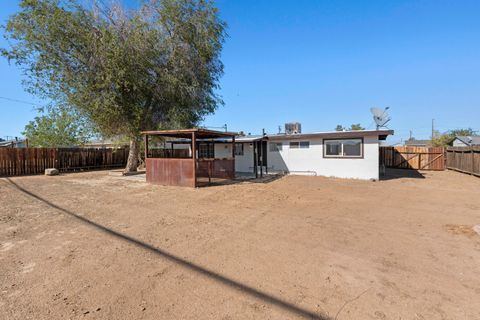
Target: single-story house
point(466, 141)
point(343, 154)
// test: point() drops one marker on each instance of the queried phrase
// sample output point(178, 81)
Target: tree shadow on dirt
point(266, 297)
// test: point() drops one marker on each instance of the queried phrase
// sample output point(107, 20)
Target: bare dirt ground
point(95, 246)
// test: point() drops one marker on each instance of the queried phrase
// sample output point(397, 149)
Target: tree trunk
point(132, 162)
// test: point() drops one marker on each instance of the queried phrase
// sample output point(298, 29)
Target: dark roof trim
point(186, 133)
point(381, 134)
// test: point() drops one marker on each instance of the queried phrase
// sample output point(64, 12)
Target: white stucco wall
point(245, 163)
point(459, 143)
point(223, 150)
point(311, 161)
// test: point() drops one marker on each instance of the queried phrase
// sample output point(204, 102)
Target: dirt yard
point(97, 246)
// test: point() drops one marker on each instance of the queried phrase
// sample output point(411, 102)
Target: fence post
point(472, 157)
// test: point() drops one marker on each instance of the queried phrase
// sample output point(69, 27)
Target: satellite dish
point(380, 117)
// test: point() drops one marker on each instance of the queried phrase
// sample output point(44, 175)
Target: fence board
point(464, 159)
point(28, 161)
point(416, 158)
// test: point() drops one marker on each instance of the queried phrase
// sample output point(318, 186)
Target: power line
point(19, 101)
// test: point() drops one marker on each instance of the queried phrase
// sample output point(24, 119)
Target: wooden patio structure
point(183, 167)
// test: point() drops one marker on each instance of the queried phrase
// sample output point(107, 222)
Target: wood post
point(233, 154)
point(194, 158)
point(260, 158)
point(472, 159)
point(255, 165)
point(146, 147)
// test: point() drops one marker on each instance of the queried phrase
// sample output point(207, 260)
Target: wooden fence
point(417, 158)
point(464, 159)
point(26, 161)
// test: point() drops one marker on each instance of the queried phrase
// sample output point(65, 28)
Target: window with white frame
point(276, 146)
point(299, 144)
point(239, 149)
point(343, 148)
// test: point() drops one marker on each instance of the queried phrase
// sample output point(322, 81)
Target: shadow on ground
point(233, 284)
point(204, 182)
point(391, 174)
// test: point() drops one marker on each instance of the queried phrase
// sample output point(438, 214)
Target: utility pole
point(433, 129)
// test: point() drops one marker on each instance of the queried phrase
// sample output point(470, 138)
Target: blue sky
point(324, 63)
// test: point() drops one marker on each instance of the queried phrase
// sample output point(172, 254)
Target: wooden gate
point(416, 158)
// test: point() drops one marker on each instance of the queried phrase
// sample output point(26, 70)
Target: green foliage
point(58, 127)
point(353, 127)
point(144, 69)
point(356, 126)
point(446, 138)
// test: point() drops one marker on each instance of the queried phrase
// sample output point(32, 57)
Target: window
point(206, 150)
point(299, 144)
point(304, 144)
point(276, 146)
point(345, 148)
point(239, 149)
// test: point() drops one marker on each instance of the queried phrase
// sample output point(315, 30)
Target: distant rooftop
point(420, 143)
point(470, 140)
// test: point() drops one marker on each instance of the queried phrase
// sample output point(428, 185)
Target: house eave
point(381, 134)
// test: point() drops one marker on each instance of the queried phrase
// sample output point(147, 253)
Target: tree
point(353, 127)
point(145, 69)
point(58, 126)
point(356, 126)
point(444, 139)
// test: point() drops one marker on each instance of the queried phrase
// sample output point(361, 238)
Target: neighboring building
point(412, 142)
point(14, 143)
point(343, 154)
point(105, 143)
point(466, 141)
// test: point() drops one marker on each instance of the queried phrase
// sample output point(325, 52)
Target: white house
point(343, 154)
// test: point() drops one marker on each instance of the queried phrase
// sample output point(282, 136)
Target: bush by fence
point(464, 159)
point(25, 161)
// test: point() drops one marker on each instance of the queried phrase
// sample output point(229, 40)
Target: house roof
point(187, 133)
point(382, 134)
point(9, 143)
point(249, 138)
point(105, 142)
point(415, 142)
point(469, 140)
point(220, 135)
